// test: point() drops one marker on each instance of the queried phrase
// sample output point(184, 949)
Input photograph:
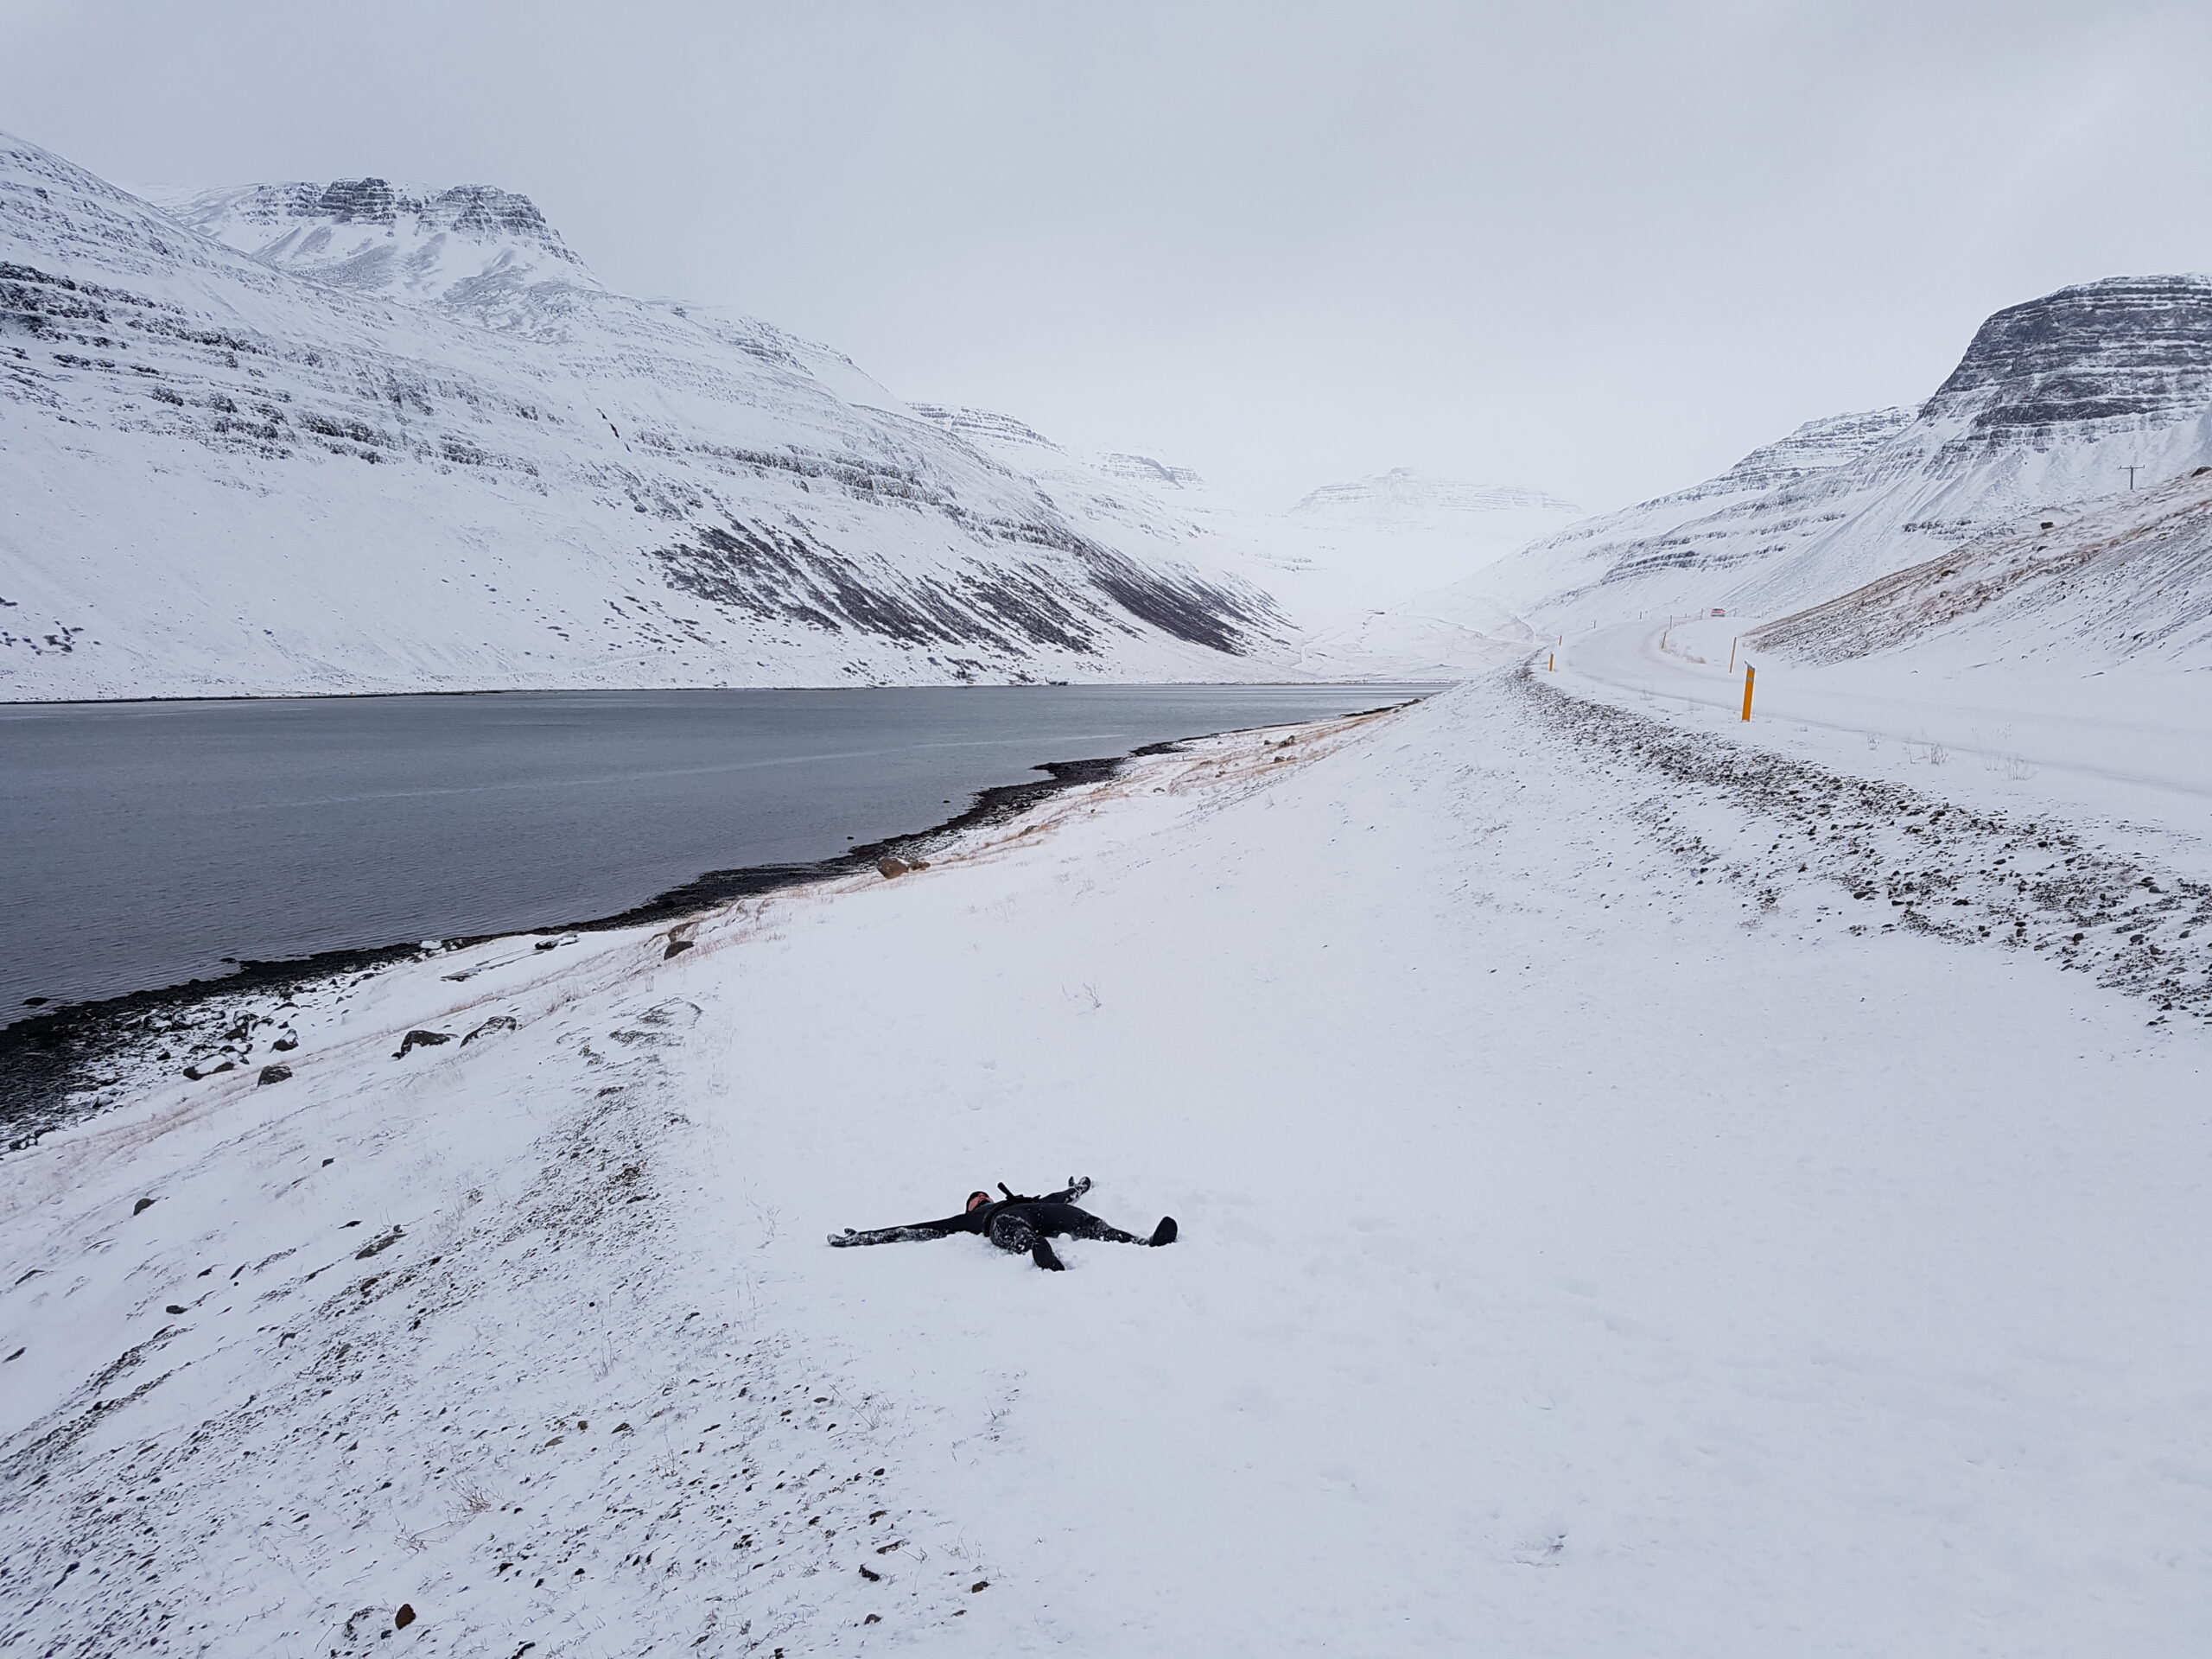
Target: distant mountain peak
point(1818, 446)
point(2067, 399)
point(476, 209)
point(479, 211)
point(1403, 490)
point(468, 246)
point(982, 425)
point(2121, 348)
point(1146, 470)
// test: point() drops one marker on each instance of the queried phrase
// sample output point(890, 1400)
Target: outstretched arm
point(905, 1235)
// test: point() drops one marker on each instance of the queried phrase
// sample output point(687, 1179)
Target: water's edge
point(49, 1057)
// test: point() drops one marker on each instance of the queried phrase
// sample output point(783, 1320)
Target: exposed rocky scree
point(1898, 857)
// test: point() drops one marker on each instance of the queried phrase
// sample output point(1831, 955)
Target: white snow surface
point(400, 440)
point(1356, 548)
point(1606, 1229)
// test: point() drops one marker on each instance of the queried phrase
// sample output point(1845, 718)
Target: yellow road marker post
point(1732, 656)
point(1749, 672)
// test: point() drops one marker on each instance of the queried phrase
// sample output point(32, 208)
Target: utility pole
point(2131, 477)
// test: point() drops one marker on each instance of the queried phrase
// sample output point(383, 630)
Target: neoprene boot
point(1165, 1233)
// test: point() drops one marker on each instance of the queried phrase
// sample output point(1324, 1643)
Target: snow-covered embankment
point(1587, 1239)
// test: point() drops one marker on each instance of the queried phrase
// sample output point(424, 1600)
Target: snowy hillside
point(2126, 581)
point(1442, 635)
point(2053, 402)
point(1337, 558)
point(1378, 540)
point(382, 439)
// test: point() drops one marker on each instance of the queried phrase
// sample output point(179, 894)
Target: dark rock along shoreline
point(49, 1058)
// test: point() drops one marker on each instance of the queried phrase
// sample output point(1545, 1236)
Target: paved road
point(2136, 743)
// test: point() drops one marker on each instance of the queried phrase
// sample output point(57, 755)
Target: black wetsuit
point(1021, 1225)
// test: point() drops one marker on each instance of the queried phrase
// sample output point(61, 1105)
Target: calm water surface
point(143, 844)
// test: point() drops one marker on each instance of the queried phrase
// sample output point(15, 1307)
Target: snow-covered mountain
point(1404, 498)
point(2123, 580)
point(1376, 542)
point(1442, 635)
point(469, 246)
point(1332, 561)
point(309, 438)
point(2053, 402)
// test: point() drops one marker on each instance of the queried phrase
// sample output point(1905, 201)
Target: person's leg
point(1084, 1225)
point(1090, 1227)
point(1017, 1237)
point(889, 1234)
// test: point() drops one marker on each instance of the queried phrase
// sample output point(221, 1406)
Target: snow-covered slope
point(1640, 1195)
point(396, 439)
point(2123, 580)
point(2053, 402)
point(1376, 542)
point(1442, 635)
point(1332, 561)
point(1666, 528)
point(1418, 545)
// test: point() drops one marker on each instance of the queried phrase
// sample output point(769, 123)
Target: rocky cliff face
point(475, 249)
point(367, 438)
point(1146, 470)
point(2135, 351)
point(1816, 448)
point(981, 426)
point(2052, 403)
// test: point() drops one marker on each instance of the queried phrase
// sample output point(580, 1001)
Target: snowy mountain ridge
point(1332, 561)
point(2057, 402)
point(1402, 494)
point(416, 242)
point(475, 251)
point(405, 441)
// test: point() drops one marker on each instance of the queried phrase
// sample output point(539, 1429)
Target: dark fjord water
point(145, 843)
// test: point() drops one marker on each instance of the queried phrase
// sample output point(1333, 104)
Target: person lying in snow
point(1021, 1225)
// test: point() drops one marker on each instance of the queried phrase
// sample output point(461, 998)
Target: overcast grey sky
point(1593, 246)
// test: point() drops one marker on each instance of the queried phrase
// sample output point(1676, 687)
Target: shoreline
point(7, 703)
point(46, 1058)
